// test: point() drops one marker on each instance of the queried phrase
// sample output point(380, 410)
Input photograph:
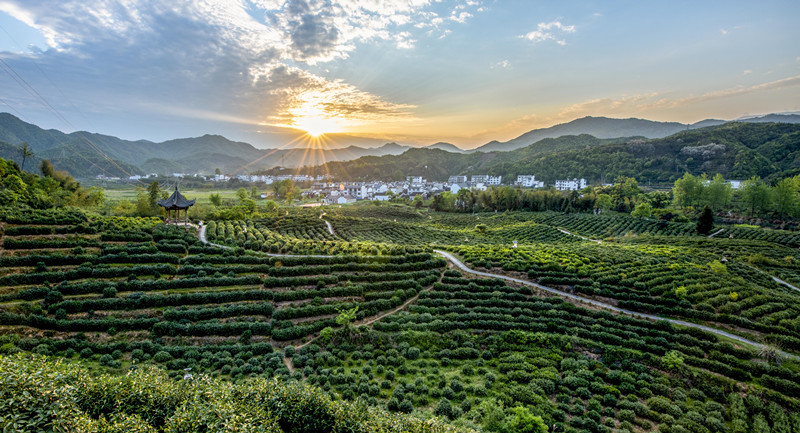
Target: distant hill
point(737, 150)
point(447, 147)
point(86, 154)
point(604, 127)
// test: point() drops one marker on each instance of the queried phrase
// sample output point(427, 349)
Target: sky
point(410, 71)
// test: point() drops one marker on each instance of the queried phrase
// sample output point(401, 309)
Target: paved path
point(779, 281)
point(716, 233)
point(604, 305)
point(330, 227)
point(579, 236)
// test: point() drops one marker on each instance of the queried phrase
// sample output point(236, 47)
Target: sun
point(316, 126)
point(315, 121)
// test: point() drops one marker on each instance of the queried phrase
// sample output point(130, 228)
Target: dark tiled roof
point(176, 201)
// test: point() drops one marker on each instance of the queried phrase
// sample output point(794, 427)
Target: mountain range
point(737, 150)
point(86, 154)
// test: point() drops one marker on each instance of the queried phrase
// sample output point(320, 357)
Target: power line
point(33, 92)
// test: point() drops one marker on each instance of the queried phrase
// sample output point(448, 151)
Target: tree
point(254, 192)
point(718, 192)
point(688, 190)
point(153, 193)
point(417, 202)
point(346, 317)
point(26, 153)
point(215, 199)
point(241, 194)
point(526, 422)
point(283, 189)
point(755, 195)
point(705, 222)
point(603, 202)
point(786, 195)
point(643, 210)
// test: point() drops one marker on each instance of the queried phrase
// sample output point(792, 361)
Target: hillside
point(604, 127)
point(338, 328)
point(82, 153)
point(737, 150)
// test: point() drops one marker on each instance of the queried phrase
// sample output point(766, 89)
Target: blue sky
point(412, 71)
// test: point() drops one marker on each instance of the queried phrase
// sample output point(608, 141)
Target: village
point(333, 192)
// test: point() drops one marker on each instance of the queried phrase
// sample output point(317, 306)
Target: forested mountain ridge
point(736, 150)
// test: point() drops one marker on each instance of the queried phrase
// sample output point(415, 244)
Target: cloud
point(244, 58)
point(504, 64)
point(548, 31)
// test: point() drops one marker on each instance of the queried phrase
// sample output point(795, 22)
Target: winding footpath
point(330, 227)
point(579, 236)
point(604, 305)
point(201, 234)
point(779, 281)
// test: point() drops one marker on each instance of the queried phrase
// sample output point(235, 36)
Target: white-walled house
point(570, 184)
point(528, 181)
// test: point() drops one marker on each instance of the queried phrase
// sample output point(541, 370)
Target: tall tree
point(706, 221)
point(718, 192)
point(26, 153)
point(786, 196)
point(153, 193)
point(687, 190)
point(755, 195)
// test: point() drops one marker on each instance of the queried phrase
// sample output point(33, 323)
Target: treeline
point(622, 196)
point(754, 197)
point(51, 189)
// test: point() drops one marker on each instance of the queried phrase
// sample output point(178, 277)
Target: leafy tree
point(687, 190)
point(705, 222)
point(215, 199)
point(27, 152)
point(417, 202)
point(643, 210)
point(603, 202)
point(283, 189)
point(786, 196)
point(718, 192)
point(755, 195)
point(241, 194)
point(153, 194)
point(346, 317)
point(525, 422)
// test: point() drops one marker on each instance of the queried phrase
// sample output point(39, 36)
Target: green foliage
point(643, 210)
point(41, 395)
point(672, 361)
point(705, 222)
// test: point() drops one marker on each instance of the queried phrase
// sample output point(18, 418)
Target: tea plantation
point(114, 324)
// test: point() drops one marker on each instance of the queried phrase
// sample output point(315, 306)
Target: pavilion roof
point(176, 201)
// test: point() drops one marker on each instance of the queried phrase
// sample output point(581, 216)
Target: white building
point(479, 178)
point(571, 184)
point(457, 179)
point(415, 179)
point(528, 181)
point(736, 184)
point(494, 180)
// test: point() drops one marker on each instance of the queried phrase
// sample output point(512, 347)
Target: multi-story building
point(570, 184)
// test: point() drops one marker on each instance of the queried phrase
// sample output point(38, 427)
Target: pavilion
point(177, 202)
